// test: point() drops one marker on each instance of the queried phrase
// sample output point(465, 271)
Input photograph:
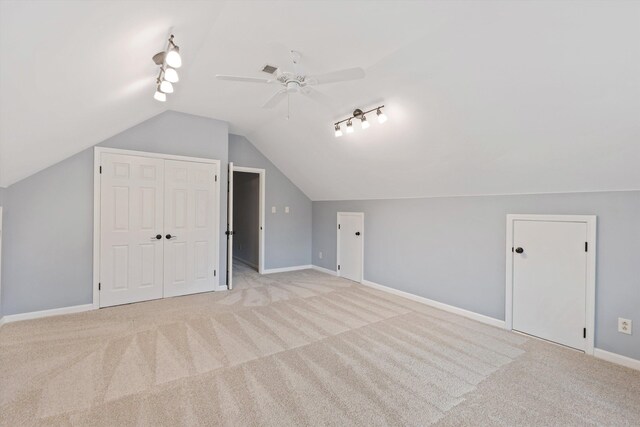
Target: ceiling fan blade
point(275, 99)
point(243, 79)
point(317, 96)
point(337, 76)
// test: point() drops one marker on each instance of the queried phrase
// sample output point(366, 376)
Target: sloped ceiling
point(483, 97)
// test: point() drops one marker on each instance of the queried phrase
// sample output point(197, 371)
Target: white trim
point(590, 316)
point(360, 214)
point(47, 313)
point(157, 155)
point(324, 270)
point(286, 269)
point(97, 153)
point(616, 358)
point(439, 305)
point(261, 233)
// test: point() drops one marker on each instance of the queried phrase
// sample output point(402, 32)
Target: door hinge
point(100, 169)
point(512, 249)
point(338, 226)
point(99, 286)
point(584, 333)
point(216, 178)
point(338, 267)
point(586, 246)
point(214, 273)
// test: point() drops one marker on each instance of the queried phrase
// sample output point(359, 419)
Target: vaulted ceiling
point(483, 97)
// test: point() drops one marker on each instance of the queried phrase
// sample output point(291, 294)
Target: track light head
point(173, 57)
point(338, 131)
point(364, 123)
point(349, 126)
point(166, 87)
point(171, 75)
point(382, 117)
point(159, 95)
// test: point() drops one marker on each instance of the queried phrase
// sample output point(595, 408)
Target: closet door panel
point(131, 216)
point(190, 232)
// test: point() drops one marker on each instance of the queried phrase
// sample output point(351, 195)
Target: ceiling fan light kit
point(168, 60)
point(358, 114)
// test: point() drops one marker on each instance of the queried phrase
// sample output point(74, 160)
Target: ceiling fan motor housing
point(293, 86)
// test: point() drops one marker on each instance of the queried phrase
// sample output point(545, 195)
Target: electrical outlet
point(624, 325)
point(286, 209)
point(273, 209)
point(320, 255)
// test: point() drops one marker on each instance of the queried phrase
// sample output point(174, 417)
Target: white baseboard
point(445, 307)
point(47, 313)
point(285, 269)
point(244, 261)
point(324, 270)
point(617, 358)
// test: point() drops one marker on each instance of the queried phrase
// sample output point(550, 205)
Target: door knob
point(169, 237)
point(357, 233)
point(158, 237)
point(519, 250)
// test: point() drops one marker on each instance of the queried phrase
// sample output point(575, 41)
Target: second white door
point(550, 280)
point(350, 245)
point(190, 220)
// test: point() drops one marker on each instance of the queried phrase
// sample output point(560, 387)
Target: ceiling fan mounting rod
point(358, 113)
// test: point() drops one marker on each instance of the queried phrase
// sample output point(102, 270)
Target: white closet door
point(191, 215)
point(549, 280)
point(131, 218)
point(350, 245)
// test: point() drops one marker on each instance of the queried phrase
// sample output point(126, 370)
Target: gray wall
point(452, 250)
point(48, 233)
point(287, 236)
point(246, 216)
point(3, 192)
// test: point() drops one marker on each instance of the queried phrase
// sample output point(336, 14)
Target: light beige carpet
point(300, 348)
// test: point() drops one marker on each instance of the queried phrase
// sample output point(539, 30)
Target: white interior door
point(350, 245)
point(131, 220)
point(190, 213)
point(230, 227)
point(550, 280)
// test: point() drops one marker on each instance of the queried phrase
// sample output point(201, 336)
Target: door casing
point(338, 255)
point(591, 222)
point(96, 208)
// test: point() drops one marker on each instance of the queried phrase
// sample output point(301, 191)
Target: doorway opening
point(246, 221)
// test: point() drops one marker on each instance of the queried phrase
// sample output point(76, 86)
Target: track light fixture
point(168, 60)
point(360, 115)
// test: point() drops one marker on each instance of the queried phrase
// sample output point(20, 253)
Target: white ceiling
point(482, 97)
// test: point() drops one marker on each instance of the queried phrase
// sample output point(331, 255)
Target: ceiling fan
point(297, 81)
